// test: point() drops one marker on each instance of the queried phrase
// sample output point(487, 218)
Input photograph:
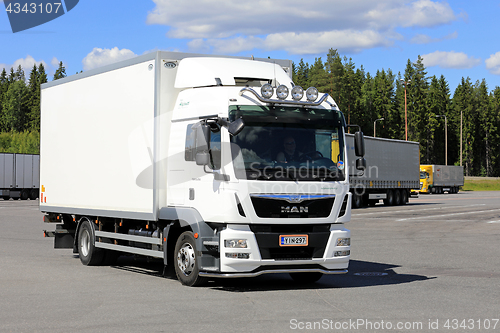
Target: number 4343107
point(33, 8)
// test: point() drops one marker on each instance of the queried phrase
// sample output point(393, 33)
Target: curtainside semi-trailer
point(19, 176)
point(392, 171)
point(219, 166)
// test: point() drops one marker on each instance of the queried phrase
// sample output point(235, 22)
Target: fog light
point(267, 91)
point(341, 253)
point(236, 243)
point(297, 93)
point(238, 255)
point(343, 241)
point(312, 94)
point(282, 92)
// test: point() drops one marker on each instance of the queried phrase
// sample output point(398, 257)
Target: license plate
point(293, 240)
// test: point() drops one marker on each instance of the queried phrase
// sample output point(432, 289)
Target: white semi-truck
point(392, 171)
point(175, 156)
point(19, 176)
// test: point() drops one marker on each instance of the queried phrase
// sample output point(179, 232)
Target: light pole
point(405, 83)
point(445, 137)
point(375, 126)
point(460, 137)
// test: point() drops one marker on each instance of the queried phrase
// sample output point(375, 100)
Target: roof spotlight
point(312, 94)
point(282, 92)
point(267, 91)
point(297, 93)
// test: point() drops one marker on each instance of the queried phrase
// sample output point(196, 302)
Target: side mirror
point(202, 158)
point(359, 143)
point(360, 163)
point(235, 127)
point(202, 138)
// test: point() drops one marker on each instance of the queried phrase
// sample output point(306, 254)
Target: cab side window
point(215, 147)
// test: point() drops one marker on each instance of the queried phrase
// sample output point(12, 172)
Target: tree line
point(472, 112)
point(20, 108)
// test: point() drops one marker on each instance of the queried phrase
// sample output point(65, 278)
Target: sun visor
point(204, 72)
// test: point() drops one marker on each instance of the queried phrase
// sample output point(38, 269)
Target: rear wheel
point(357, 200)
point(389, 200)
point(397, 197)
point(306, 277)
point(89, 254)
point(404, 196)
point(33, 194)
point(186, 261)
point(25, 194)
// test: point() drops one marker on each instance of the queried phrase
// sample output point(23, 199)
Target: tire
point(397, 197)
point(389, 200)
point(33, 194)
point(357, 200)
point(25, 194)
point(404, 196)
point(89, 254)
point(186, 261)
point(306, 277)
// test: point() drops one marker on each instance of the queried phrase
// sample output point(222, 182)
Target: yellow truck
point(441, 178)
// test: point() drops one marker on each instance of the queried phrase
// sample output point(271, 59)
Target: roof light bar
point(267, 91)
point(282, 92)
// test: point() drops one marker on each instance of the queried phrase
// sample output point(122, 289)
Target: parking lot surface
point(429, 266)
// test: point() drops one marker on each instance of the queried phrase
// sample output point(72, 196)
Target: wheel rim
point(186, 259)
point(85, 243)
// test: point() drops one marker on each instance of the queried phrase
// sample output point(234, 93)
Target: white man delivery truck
point(173, 156)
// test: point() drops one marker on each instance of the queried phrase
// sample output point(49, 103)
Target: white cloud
point(345, 41)
point(235, 25)
point(101, 57)
point(493, 63)
point(26, 63)
point(450, 60)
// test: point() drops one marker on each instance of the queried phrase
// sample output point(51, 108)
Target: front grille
point(268, 239)
point(269, 206)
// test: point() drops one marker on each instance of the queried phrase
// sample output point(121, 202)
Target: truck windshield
point(288, 143)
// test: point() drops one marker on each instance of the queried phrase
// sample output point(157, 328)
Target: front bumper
point(257, 261)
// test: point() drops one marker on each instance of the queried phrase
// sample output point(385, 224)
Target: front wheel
point(186, 261)
point(306, 277)
point(89, 254)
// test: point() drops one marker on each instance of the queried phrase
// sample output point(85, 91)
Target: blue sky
point(455, 38)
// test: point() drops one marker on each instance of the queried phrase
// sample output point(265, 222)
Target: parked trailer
point(19, 176)
point(174, 156)
point(392, 171)
point(441, 178)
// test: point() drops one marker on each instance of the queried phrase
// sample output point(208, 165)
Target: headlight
point(236, 243)
point(312, 94)
point(297, 93)
point(343, 241)
point(282, 92)
point(267, 91)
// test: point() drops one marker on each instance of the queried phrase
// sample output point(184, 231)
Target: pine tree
point(60, 72)
point(463, 106)
point(301, 77)
point(486, 130)
point(317, 76)
point(14, 117)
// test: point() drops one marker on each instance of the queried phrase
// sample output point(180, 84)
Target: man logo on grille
point(294, 209)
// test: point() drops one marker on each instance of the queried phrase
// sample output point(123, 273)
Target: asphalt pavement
point(432, 265)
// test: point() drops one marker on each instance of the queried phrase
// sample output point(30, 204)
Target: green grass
point(481, 184)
